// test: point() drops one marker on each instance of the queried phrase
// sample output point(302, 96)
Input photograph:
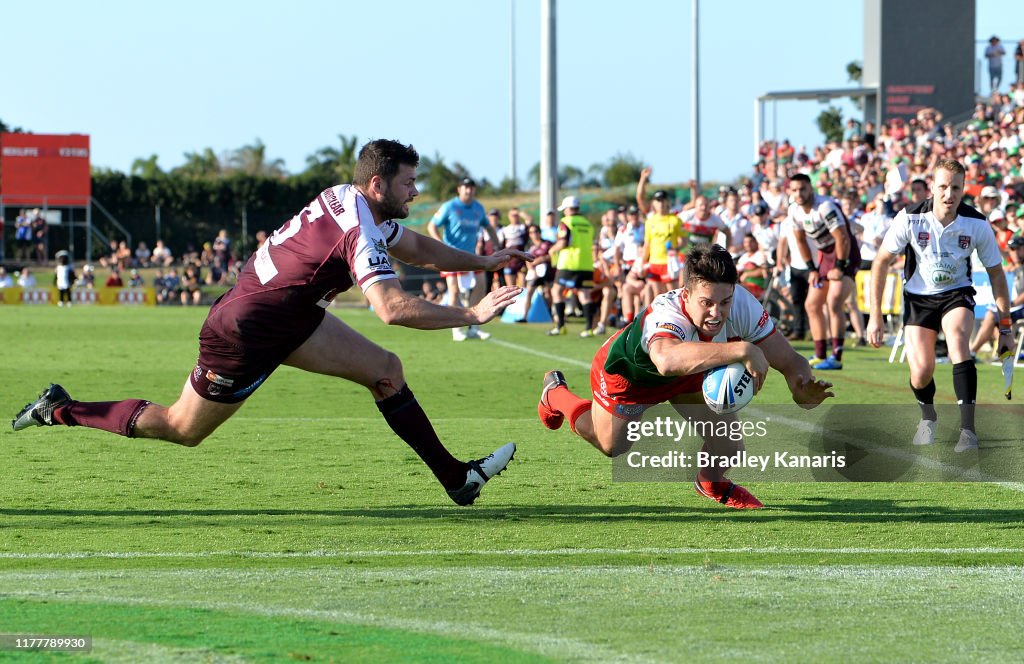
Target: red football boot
point(729, 494)
point(552, 419)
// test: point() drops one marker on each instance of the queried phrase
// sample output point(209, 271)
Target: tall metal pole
point(548, 107)
point(156, 216)
point(512, 93)
point(696, 94)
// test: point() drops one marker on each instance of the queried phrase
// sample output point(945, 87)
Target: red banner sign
point(45, 169)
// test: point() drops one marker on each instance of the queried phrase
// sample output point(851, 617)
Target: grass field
point(305, 530)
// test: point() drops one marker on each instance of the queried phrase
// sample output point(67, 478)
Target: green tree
point(830, 123)
point(622, 170)
point(252, 160)
point(441, 180)
point(6, 128)
point(201, 165)
point(147, 169)
point(855, 72)
point(331, 165)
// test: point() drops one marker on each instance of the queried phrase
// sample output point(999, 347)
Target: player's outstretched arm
point(396, 307)
point(879, 272)
point(674, 357)
point(807, 392)
point(416, 249)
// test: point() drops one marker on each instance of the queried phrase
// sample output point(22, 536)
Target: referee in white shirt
point(938, 237)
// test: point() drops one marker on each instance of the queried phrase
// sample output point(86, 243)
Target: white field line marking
point(540, 353)
point(656, 551)
point(131, 652)
point(970, 474)
point(551, 646)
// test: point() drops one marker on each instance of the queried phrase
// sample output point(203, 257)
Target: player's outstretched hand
point(494, 303)
point(875, 332)
point(501, 258)
point(808, 394)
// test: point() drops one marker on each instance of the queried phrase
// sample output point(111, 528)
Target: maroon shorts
point(232, 365)
point(827, 261)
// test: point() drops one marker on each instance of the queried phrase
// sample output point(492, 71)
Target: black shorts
point(575, 278)
point(928, 310)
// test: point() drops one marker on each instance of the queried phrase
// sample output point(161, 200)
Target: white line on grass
point(540, 353)
point(551, 646)
point(656, 551)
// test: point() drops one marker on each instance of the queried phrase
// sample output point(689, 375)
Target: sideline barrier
point(892, 296)
point(82, 296)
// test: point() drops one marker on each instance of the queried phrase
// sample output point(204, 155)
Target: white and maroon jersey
point(824, 217)
point(939, 258)
point(323, 250)
point(701, 230)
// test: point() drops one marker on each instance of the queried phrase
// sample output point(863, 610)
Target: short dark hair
point(710, 263)
point(800, 177)
point(384, 158)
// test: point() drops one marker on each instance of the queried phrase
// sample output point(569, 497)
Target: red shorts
point(658, 272)
point(627, 401)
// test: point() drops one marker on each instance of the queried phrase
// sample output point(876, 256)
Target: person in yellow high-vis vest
point(575, 269)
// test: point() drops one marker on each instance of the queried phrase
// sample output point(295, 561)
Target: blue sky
point(169, 78)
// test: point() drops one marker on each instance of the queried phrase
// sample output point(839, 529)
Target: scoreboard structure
point(45, 170)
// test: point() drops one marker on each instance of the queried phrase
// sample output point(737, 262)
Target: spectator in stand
point(994, 53)
point(629, 243)
point(663, 237)
point(261, 237)
point(206, 256)
point(776, 198)
point(5, 279)
point(703, 227)
point(26, 279)
point(875, 224)
point(114, 280)
point(170, 287)
point(23, 237)
point(142, 255)
point(540, 273)
point(514, 237)
point(40, 236)
point(162, 255)
point(110, 258)
point(765, 232)
point(135, 280)
point(191, 285)
point(485, 246)
point(124, 256)
point(88, 279)
point(918, 191)
point(738, 224)
point(549, 226)
point(217, 275)
point(752, 266)
point(222, 247)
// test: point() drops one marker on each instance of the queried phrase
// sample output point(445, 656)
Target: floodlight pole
point(696, 94)
point(512, 91)
point(548, 108)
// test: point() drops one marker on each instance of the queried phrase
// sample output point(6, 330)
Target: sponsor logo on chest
point(964, 241)
point(922, 238)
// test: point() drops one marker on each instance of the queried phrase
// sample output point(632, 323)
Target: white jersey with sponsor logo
point(824, 217)
point(939, 258)
point(748, 321)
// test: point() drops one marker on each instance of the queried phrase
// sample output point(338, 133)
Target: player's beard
point(392, 207)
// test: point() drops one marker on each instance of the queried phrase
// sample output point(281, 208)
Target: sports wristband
point(842, 264)
point(811, 267)
point(1004, 323)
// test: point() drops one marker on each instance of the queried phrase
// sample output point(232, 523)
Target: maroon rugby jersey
point(286, 285)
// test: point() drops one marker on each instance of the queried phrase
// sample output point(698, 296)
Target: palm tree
point(252, 160)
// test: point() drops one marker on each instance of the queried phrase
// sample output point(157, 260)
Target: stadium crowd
point(872, 174)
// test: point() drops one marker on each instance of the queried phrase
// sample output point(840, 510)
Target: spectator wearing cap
point(764, 231)
point(663, 237)
point(575, 268)
point(994, 53)
point(990, 204)
point(458, 223)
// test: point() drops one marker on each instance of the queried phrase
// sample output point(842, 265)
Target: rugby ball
point(728, 388)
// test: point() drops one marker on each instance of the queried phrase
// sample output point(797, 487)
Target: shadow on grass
point(855, 510)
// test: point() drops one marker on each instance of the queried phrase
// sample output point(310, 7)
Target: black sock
point(406, 418)
point(559, 314)
point(588, 315)
point(926, 399)
point(965, 385)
